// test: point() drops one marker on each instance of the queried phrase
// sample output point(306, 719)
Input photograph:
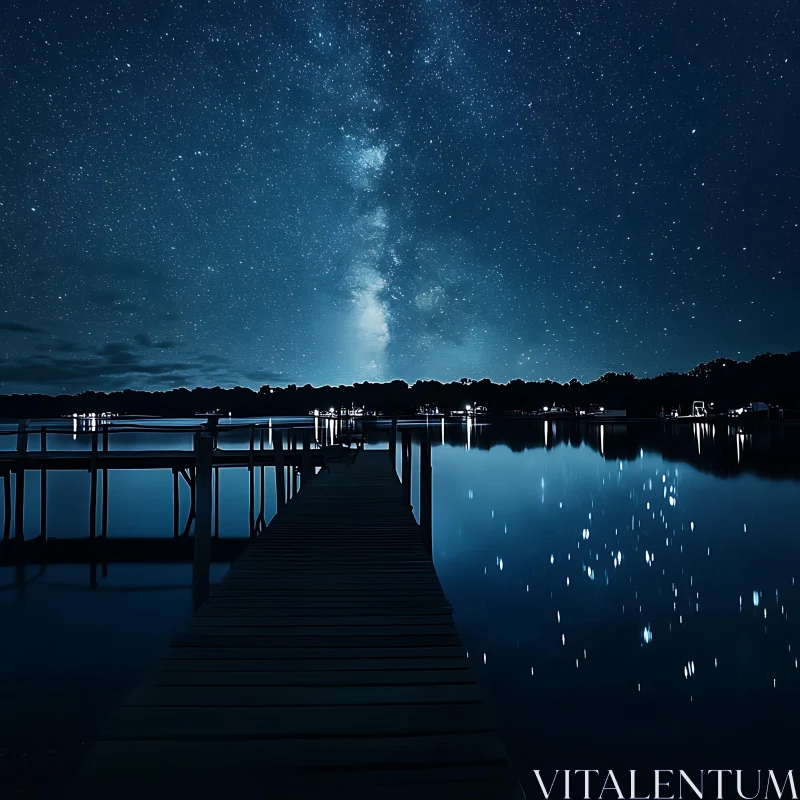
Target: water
point(627, 594)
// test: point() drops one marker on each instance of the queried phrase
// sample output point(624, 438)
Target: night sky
point(222, 193)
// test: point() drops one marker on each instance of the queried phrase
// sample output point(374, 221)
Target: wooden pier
point(325, 664)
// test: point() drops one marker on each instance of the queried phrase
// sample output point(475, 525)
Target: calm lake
point(628, 593)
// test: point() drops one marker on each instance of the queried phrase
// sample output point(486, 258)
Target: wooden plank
point(304, 652)
point(306, 631)
point(271, 621)
point(349, 666)
point(135, 722)
point(303, 677)
point(331, 639)
point(253, 695)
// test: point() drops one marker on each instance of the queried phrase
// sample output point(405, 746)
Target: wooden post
point(307, 470)
point(393, 444)
point(405, 448)
point(93, 488)
point(260, 519)
point(425, 492)
point(192, 498)
point(176, 504)
point(216, 498)
point(204, 447)
point(43, 507)
point(294, 464)
point(289, 476)
point(280, 474)
point(6, 505)
point(104, 506)
point(251, 470)
point(19, 501)
point(104, 498)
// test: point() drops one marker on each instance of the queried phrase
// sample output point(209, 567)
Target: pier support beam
point(393, 445)
point(176, 504)
point(190, 480)
point(93, 488)
point(252, 472)
point(19, 500)
point(405, 452)
point(426, 492)
point(307, 469)
point(294, 467)
point(6, 505)
point(43, 506)
point(216, 500)
point(204, 446)
point(280, 473)
point(104, 496)
point(261, 524)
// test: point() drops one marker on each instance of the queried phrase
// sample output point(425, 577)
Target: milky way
point(324, 192)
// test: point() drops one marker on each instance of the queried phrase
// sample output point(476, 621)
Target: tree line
point(769, 378)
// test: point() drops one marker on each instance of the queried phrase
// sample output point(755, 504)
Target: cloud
point(112, 348)
point(211, 358)
point(18, 327)
point(60, 346)
point(262, 375)
point(48, 371)
point(68, 346)
point(114, 366)
point(145, 341)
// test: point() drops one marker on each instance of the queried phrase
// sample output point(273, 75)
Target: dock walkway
point(325, 664)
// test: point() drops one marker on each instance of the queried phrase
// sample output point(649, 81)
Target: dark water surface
point(628, 594)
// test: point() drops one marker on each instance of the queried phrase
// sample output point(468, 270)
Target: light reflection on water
point(620, 588)
point(597, 575)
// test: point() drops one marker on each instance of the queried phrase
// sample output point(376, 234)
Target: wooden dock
point(325, 664)
point(99, 460)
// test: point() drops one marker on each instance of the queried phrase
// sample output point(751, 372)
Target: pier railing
point(300, 456)
point(294, 452)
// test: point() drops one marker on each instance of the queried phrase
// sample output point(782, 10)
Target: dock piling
point(426, 492)
point(104, 496)
point(93, 488)
point(393, 445)
point(260, 522)
point(43, 507)
point(6, 505)
point(280, 473)
point(19, 500)
point(216, 501)
point(176, 504)
point(307, 470)
point(405, 448)
point(204, 444)
point(252, 473)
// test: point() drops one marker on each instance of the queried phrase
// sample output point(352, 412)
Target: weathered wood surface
point(325, 664)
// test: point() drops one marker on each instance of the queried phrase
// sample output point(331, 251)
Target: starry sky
point(222, 193)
